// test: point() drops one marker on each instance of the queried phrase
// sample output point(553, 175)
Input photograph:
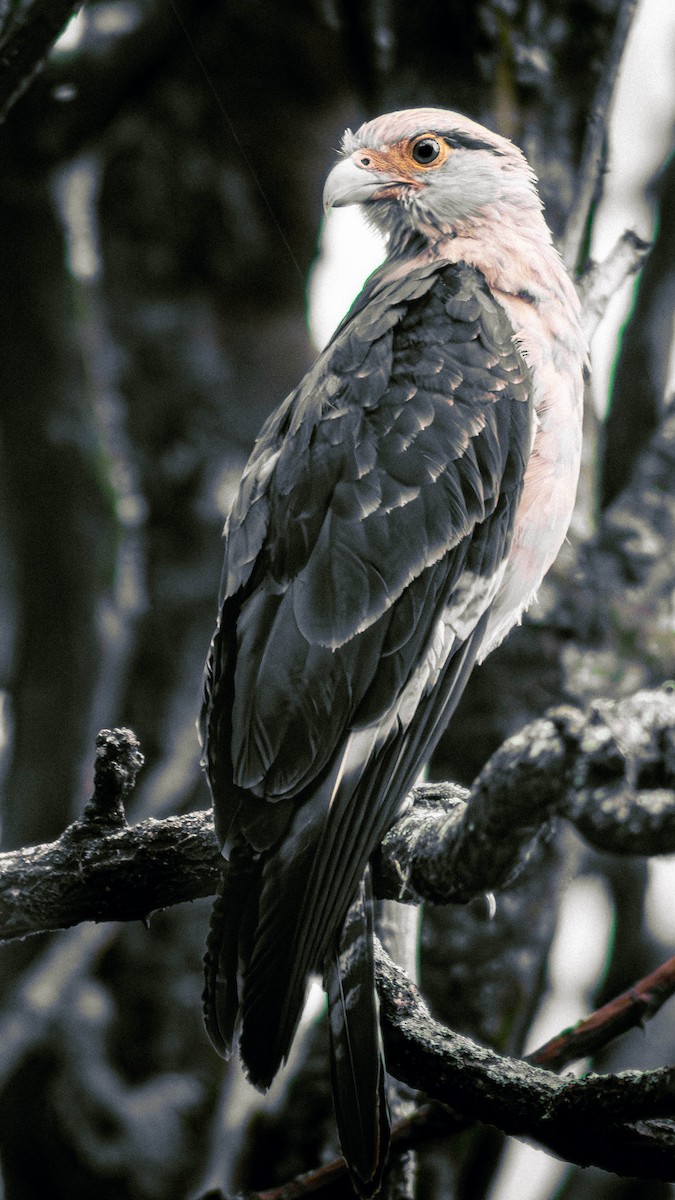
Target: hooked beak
point(348, 183)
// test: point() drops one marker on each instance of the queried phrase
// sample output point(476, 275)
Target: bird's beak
point(348, 183)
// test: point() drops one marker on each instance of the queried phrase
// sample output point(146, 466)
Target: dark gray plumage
point(388, 479)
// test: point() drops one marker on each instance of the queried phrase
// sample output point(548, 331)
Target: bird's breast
point(556, 353)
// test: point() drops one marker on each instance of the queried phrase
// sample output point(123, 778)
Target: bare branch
point(640, 1002)
point(595, 1111)
point(610, 770)
point(124, 875)
point(613, 760)
point(601, 281)
point(578, 1119)
point(432, 1121)
point(427, 1123)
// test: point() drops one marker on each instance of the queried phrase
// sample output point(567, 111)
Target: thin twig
point(426, 1124)
point(639, 1003)
point(601, 281)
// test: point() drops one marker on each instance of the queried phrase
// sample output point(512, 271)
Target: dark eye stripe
point(458, 141)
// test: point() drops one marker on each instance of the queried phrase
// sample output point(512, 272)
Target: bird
point(396, 517)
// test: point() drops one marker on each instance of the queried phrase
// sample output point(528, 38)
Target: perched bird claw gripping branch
point(396, 517)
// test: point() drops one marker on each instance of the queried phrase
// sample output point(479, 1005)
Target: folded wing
point(363, 552)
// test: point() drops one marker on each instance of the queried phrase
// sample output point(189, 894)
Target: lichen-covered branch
point(610, 770)
point(123, 875)
point(100, 869)
point(585, 1121)
point(614, 1121)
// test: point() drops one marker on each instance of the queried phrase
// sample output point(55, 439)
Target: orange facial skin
point(405, 162)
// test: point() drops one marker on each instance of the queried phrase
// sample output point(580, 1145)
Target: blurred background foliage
point(160, 184)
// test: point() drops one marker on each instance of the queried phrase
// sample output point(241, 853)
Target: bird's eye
point(426, 151)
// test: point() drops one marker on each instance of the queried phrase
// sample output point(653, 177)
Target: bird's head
point(428, 169)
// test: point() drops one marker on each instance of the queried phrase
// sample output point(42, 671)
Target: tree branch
point(610, 770)
point(123, 875)
point(601, 281)
point(100, 869)
point(590, 1120)
point(639, 1003)
point(427, 1123)
point(607, 1096)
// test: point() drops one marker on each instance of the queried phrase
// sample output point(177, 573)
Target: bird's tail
point(231, 930)
point(357, 1060)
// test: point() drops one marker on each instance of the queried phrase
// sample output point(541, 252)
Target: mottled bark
point(610, 772)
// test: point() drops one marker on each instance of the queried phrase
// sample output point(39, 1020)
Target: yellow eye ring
point(427, 150)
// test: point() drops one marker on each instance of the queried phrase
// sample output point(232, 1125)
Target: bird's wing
point(398, 443)
point(365, 546)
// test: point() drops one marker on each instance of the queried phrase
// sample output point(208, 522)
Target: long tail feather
point(357, 1060)
point(305, 886)
point(231, 930)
